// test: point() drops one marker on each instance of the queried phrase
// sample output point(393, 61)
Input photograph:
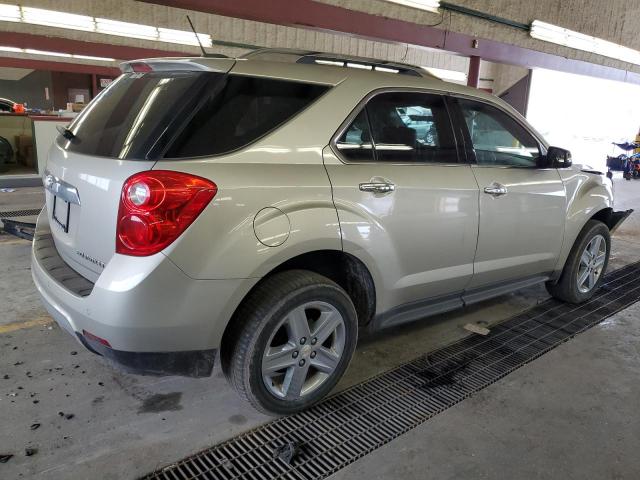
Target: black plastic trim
point(196, 363)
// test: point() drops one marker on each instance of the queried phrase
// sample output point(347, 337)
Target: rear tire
point(294, 337)
point(586, 265)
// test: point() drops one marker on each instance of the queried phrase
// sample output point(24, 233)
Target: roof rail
point(363, 64)
point(338, 60)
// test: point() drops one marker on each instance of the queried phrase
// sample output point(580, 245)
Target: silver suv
point(269, 207)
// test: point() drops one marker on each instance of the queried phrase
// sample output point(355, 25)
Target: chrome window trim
point(379, 91)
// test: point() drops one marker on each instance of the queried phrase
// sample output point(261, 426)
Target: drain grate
point(21, 213)
point(353, 423)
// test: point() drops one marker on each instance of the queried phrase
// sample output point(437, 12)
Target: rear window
point(184, 114)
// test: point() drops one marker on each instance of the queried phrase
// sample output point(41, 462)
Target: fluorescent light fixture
point(9, 13)
point(183, 37)
point(450, 75)
point(90, 57)
point(126, 29)
point(428, 5)
point(52, 18)
point(57, 19)
point(31, 51)
point(580, 41)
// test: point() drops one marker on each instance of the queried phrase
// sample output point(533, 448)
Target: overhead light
point(428, 5)
point(450, 75)
point(52, 18)
point(183, 37)
point(580, 41)
point(126, 29)
point(57, 19)
point(31, 51)
point(9, 13)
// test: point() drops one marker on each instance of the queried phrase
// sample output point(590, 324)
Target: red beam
point(473, 79)
point(312, 14)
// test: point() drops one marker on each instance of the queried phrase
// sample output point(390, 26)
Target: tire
point(267, 327)
point(573, 286)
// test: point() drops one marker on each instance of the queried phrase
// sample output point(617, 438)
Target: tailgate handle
point(61, 189)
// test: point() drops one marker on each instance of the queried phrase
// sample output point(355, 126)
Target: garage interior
point(564, 407)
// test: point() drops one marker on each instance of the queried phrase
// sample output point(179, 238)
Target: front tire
point(296, 334)
point(586, 265)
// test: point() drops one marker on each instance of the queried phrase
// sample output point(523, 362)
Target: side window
point(497, 138)
point(355, 144)
point(411, 128)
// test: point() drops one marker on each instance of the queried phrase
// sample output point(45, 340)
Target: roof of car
point(320, 67)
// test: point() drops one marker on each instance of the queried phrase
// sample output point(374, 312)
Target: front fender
point(588, 195)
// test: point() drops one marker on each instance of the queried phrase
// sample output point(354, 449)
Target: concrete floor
point(569, 414)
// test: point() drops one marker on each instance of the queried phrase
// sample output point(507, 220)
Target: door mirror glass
point(557, 158)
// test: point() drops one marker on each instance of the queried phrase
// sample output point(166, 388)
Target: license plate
point(61, 212)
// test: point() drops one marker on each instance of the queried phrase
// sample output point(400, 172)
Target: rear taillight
point(141, 67)
point(156, 207)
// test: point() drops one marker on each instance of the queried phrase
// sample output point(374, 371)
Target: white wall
point(584, 114)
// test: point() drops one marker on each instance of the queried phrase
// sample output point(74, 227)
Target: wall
point(30, 90)
point(63, 81)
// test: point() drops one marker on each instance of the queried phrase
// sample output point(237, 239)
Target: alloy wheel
point(591, 264)
point(304, 350)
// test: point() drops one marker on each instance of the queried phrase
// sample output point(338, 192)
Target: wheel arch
point(346, 270)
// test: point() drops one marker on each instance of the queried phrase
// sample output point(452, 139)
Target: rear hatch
point(121, 132)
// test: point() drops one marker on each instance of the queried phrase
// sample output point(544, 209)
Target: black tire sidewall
point(328, 293)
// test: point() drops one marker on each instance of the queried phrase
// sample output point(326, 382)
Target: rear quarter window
point(241, 111)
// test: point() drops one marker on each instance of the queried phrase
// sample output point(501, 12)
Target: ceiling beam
point(322, 16)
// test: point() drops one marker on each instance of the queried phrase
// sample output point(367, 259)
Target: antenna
point(204, 52)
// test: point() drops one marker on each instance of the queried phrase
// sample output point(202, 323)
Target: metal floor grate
point(353, 423)
point(21, 213)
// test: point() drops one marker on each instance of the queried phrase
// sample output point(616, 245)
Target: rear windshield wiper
point(65, 132)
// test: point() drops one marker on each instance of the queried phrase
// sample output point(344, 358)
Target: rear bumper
point(154, 318)
point(196, 363)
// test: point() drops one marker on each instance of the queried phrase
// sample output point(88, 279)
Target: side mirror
point(558, 158)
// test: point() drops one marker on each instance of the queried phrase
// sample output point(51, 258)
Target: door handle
point(377, 187)
point(496, 189)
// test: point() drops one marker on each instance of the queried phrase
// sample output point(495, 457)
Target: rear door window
point(401, 127)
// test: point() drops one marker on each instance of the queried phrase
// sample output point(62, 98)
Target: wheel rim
point(304, 350)
point(591, 264)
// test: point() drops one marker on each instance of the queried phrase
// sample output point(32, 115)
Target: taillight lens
point(156, 207)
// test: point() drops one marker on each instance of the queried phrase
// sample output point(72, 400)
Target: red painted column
point(94, 85)
point(473, 79)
